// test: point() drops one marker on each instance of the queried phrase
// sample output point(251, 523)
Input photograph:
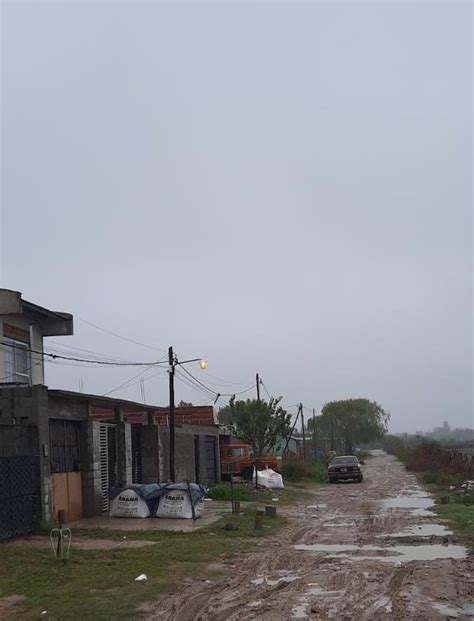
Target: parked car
point(345, 468)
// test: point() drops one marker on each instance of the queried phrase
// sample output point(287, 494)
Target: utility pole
point(314, 433)
point(288, 437)
point(302, 428)
point(171, 369)
point(257, 379)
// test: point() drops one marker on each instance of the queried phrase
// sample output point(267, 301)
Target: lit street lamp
point(173, 363)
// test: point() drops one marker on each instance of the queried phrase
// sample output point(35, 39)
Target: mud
point(352, 551)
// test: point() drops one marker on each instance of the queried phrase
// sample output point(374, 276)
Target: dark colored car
point(345, 468)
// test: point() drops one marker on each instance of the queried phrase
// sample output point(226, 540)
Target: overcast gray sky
point(282, 188)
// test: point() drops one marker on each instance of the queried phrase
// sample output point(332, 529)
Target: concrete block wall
point(185, 454)
point(91, 482)
point(19, 440)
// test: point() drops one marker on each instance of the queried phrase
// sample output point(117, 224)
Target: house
point(77, 447)
point(66, 450)
point(23, 326)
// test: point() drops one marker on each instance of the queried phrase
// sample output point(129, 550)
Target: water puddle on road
point(392, 554)
point(423, 530)
point(454, 612)
point(273, 582)
point(299, 611)
point(411, 501)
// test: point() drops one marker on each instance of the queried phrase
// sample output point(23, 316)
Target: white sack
point(176, 504)
point(269, 478)
point(128, 504)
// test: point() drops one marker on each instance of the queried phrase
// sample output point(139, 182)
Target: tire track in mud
point(279, 582)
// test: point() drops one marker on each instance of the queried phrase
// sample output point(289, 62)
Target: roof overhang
point(53, 323)
point(105, 402)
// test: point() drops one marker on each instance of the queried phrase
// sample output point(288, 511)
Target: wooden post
point(271, 511)
point(259, 519)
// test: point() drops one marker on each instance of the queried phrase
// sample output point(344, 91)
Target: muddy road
point(352, 551)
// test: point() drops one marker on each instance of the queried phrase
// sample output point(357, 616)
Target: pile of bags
point(174, 500)
point(268, 478)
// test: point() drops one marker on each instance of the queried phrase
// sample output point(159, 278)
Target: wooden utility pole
point(257, 380)
point(171, 362)
point(314, 433)
point(288, 437)
point(302, 428)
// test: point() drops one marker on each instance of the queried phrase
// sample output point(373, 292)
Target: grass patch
point(460, 517)
point(223, 491)
point(100, 583)
point(311, 470)
point(459, 511)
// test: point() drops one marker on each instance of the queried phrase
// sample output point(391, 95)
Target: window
point(17, 367)
point(236, 452)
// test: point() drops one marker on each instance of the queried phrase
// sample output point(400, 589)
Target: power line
point(127, 382)
point(85, 360)
point(222, 381)
point(119, 336)
point(197, 386)
point(222, 394)
point(265, 389)
point(63, 348)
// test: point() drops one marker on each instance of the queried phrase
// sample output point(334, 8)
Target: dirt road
point(354, 551)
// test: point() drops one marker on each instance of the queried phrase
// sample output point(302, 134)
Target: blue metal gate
point(18, 496)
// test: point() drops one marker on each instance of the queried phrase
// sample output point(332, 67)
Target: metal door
point(211, 460)
point(108, 461)
point(136, 437)
point(66, 467)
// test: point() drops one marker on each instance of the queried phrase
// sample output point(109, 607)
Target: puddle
point(423, 530)
point(412, 501)
point(392, 554)
point(452, 611)
point(315, 589)
point(423, 513)
point(299, 611)
point(266, 580)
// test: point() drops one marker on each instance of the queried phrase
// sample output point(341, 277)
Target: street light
point(173, 363)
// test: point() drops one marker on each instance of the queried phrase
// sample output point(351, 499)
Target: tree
point(185, 404)
point(260, 423)
point(225, 415)
point(353, 420)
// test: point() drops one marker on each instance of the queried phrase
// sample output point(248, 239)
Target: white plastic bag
point(128, 504)
point(269, 478)
point(176, 504)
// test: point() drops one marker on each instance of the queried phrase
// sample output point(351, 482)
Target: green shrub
point(223, 491)
point(311, 469)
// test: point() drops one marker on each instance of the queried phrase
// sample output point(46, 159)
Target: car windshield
point(344, 460)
